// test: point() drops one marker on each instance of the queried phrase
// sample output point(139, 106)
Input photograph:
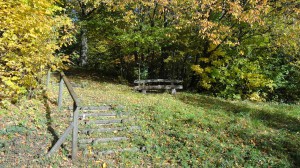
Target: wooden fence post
point(60, 94)
point(48, 78)
point(75, 132)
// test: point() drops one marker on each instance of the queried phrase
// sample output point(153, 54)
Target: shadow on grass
point(275, 119)
point(286, 143)
point(91, 75)
point(49, 124)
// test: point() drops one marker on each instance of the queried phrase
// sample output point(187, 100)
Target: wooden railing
point(74, 124)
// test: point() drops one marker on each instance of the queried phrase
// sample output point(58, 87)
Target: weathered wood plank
point(110, 152)
point(173, 91)
point(85, 115)
point(61, 140)
point(158, 87)
point(102, 140)
point(75, 133)
point(158, 80)
point(60, 93)
point(106, 130)
point(70, 89)
point(99, 108)
point(105, 121)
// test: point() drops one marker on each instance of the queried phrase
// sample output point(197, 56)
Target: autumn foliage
point(31, 31)
point(233, 49)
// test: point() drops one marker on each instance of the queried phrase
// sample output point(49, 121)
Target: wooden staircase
point(105, 130)
point(96, 131)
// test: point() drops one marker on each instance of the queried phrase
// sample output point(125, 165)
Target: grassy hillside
point(182, 130)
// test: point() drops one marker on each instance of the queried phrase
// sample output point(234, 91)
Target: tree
point(219, 47)
point(32, 32)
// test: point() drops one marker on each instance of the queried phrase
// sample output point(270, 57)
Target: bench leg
point(173, 91)
point(144, 91)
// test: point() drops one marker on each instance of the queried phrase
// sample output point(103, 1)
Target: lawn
point(182, 130)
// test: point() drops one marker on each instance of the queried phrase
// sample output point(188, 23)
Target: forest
point(244, 49)
point(68, 67)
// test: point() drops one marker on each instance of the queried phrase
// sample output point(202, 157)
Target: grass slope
point(186, 130)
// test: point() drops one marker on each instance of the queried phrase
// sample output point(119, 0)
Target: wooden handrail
point(70, 88)
point(74, 125)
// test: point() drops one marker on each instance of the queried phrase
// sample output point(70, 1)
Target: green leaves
point(223, 47)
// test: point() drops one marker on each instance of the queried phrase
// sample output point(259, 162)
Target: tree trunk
point(194, 80)
point(164, 55)
point(84, 48)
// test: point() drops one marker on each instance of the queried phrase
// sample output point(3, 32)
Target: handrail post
point(60, 94)
point(48, 78)
point(75, 132)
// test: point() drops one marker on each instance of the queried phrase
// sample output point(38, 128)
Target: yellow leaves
point(214, 31)
point(256, 97)
point(256, 80)
point(101, 163)
point(235, 9)
point(129, 58)
point(163, 2)
point(90, 150)
point(28, 43)
point(205, 82)
point(13, 87)
point(208, 69)
point(205, 60)
point(32, 35)
point(65, 158)
point(241, 52)
point(206, 25)
point(197, 69)
point(129, 16)
point(178, 27)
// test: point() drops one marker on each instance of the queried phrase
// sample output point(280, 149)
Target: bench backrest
point(157, 81)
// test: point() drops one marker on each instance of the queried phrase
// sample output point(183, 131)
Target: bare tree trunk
point(84, 48)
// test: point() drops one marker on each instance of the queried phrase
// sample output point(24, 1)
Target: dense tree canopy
point(237, 49)
point(245, 49)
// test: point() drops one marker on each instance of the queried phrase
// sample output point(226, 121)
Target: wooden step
point(105, 122)
point(97, 114)
point(84, 115)
point(112, 151)
point(102, 140)
point(106, 130)
point(98, 108)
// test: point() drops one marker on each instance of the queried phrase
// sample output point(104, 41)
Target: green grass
point(188, 130)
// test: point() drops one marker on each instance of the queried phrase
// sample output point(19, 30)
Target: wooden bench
point(158, 84)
